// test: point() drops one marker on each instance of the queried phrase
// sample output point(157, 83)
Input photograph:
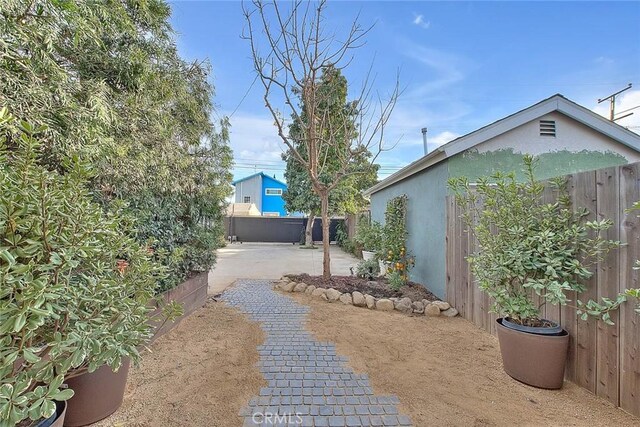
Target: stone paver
point(309, 384)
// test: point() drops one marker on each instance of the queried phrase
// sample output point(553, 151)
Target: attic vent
point(547, 128)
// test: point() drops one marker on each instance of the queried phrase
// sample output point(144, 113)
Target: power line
point(629, 109)
point(244, 96)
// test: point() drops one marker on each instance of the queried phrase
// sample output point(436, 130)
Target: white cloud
point(256, 145)
point(426, 103)
point(625, 103)
point(420, 22)
point(410, 151)
point(604, 60)
point(441, 138)
point(255, 137)
point(441, 69)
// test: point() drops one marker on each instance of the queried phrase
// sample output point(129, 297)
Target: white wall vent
point(547, 128)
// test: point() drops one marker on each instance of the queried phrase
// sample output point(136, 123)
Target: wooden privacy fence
point(603, 359)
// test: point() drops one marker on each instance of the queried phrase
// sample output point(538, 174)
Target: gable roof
point(555, 103)
point(264, 175)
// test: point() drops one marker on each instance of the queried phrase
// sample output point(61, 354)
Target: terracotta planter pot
point(57, 419)
point(97, 395)
point(536, 360)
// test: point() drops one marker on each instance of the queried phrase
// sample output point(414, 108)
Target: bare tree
point(290, 50)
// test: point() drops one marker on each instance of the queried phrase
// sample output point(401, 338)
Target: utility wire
point(628, 109)
point(245, 95)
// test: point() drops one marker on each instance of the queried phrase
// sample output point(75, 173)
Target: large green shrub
point(369, 235)
point(526, 246)
point(107, 81)
point(75, 286)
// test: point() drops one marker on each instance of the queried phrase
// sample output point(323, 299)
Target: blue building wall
point(271, 202)
point(426, 222)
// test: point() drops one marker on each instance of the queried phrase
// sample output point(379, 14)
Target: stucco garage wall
point(575, 148)
point(426, 222)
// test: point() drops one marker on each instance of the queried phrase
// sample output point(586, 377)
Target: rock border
point(358, 299)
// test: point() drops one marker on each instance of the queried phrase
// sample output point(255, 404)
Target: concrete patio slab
point(272, 261)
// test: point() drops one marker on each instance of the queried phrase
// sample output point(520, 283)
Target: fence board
point(608, 282)
point(603, 359)
point(629, 320)
point(584, 195)
point(450, 254)
point(463, 252)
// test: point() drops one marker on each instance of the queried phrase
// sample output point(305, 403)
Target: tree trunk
point(326, 261)
point(308, 232)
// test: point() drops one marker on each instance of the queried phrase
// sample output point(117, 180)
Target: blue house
point(263, 191)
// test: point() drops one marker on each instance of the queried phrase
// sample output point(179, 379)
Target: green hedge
point(106, 80)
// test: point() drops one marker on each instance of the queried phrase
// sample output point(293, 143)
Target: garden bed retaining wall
point(192, 294)
point(358, 299)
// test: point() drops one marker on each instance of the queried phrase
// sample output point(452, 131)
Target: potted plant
point(66, 304)
point(529, 248)
point(369, 236)
point(368, 269)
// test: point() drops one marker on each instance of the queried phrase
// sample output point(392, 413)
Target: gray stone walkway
point(308, 383)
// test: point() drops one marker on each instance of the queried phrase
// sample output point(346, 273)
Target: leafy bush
point(342, 234)
point(369, 269)
point(351, 247)
point(396, 280)
point(606, 305)
point(75, 285)
point(526, 246)
point(118, 97)
point(369, 235)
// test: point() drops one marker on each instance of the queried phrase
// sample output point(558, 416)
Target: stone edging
point(403, 305)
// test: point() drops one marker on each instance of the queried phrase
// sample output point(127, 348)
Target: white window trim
point(279, 190)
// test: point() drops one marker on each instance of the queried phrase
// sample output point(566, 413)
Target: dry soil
point(448, 372)
point(199, 374)
point(445, 372)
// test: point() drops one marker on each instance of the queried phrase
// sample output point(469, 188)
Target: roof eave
point(422, 163)
point(554, 103)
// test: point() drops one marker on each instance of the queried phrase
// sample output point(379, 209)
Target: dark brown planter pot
point(536, 360)
point(97, 395)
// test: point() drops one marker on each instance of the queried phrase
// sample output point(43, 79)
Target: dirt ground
point(445, 372)
point(199, 374)
point(448, 372)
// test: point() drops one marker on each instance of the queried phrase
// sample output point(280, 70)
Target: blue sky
point(462, 65)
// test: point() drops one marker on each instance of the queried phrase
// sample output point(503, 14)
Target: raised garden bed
point(192, 294)
point(412, 299)
point(378, 288)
